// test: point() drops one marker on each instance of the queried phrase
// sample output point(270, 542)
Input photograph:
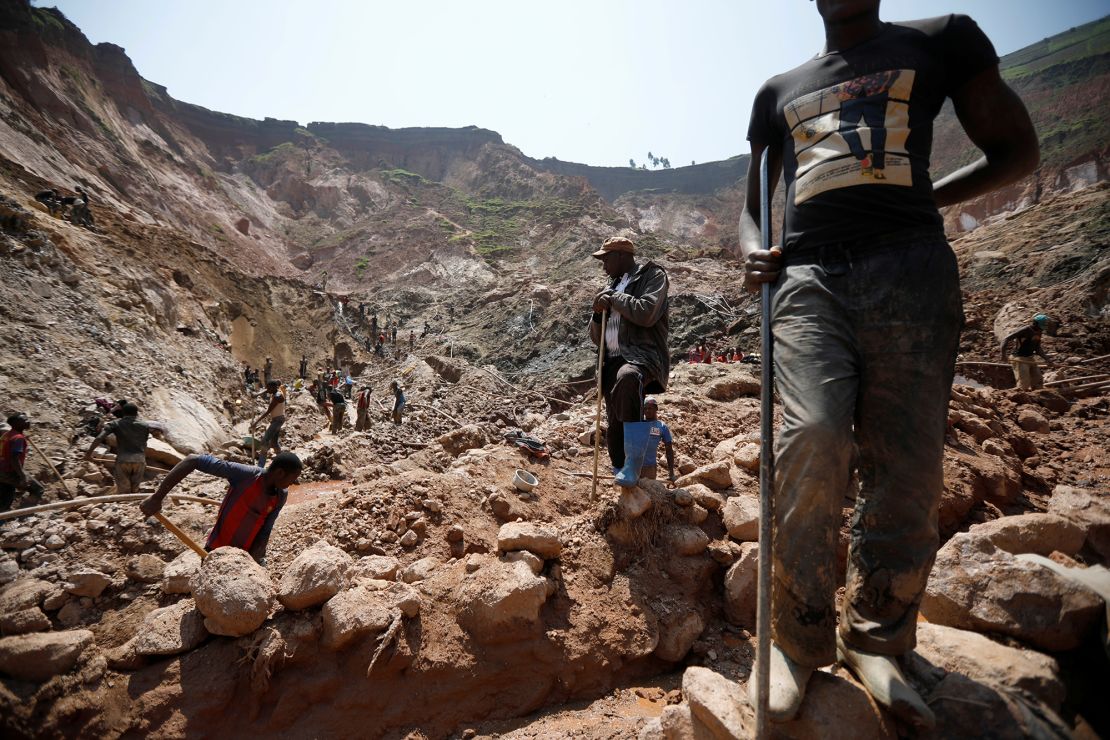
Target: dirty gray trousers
point(865, 351)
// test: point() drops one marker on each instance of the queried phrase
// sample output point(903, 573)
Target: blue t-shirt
point(659, 433)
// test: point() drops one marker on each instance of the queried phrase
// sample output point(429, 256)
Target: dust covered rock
point(742, 585)
point(741, 517)
point(314, 576)
point(462, 439)
point(500, 602)
point(177, 577)
point(677, 633)
point(354, 612)
point(171, 630)
point(716, 475)
point(24, 621)
point(233, 592)
point(975, 585)
point(536, 538)
point(146, 568)
point(87, 582)
point(378, 567)
point(37, 657)
point(1087, 509)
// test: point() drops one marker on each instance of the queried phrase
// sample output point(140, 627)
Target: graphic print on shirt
point(853, 133)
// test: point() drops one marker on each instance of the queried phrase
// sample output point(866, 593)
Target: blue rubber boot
point(637, 437)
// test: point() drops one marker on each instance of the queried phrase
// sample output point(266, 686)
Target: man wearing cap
point(1027, 373)
point(636, 356)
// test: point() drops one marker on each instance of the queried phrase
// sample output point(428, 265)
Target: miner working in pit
point(866, 304)
point(1027, 373)
point(636, 357)
point(131, 440)
point(251, 506)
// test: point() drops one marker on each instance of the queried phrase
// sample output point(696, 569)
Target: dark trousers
point(865, 351)
point(623, 386)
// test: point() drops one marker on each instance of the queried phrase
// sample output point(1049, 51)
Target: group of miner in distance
point(865, 303)
point(74, 208)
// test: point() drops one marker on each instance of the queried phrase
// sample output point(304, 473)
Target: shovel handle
point(179, 534)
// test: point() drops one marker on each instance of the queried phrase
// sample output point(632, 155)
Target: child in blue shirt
point(659, 432)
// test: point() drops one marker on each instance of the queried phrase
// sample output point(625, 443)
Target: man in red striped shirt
point(251, 506)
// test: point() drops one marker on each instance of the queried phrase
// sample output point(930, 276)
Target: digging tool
point(179, 534)
point(597, 416)
point(766, 464)
point(48, 462)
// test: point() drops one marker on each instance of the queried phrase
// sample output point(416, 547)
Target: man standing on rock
point(131, 438)
point(338, 410)
point(660, 432)
point(1027, 373)
point(13, 455)
point(268, 371)
point(304, 367)
point(275, 412)
point(636, 357)
point(866, 316)
point(252, 504)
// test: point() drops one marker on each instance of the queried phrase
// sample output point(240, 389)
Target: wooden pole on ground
point(181, 535)
point(47, 459)
point(597, 416)
point(97, 500)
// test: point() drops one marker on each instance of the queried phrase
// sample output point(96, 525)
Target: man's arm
point(997, 123)
point(760, 265)
point(1010, 339)
point(646, 309)
point(153, 504)
point(99, 438)
point(670, 459)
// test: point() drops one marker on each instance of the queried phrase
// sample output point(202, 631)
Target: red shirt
point(13, 445)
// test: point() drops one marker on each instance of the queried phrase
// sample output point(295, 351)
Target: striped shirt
point(250, 507)
point(613, 323)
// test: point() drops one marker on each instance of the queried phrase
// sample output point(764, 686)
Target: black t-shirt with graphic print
point(856, 129)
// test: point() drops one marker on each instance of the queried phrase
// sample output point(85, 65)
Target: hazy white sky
point(595, 81)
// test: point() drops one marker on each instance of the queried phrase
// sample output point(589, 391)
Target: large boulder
point(742, 586)
point(741, 517)
point(314, 576)
point(355, 612)
point(740, 450)
point(1038, 533)
point(171, 630)
point(716, 475)
point(39, 656)
point(233, 592)
point(462, 439)
point(190, 426)
point(633, 502)
point(501, 602)
point(177, 578)
point(982, 659)
point(1089, 510)
point(24, 593)
point(535, 538)
point(975, 585)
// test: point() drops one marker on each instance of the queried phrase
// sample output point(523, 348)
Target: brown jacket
point(643, 329)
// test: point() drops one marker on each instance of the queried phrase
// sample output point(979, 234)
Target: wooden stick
point(597, 416)
point(95, 500)
point(1090, 386)
point(1065, 381)
point(181, 535)
point(47, 459)
point(1094, 359)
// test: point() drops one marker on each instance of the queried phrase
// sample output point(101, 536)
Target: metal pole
point(47, 459)
point(597, 416)
point(766, 466)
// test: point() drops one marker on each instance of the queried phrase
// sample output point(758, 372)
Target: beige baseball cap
point(615, 244)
